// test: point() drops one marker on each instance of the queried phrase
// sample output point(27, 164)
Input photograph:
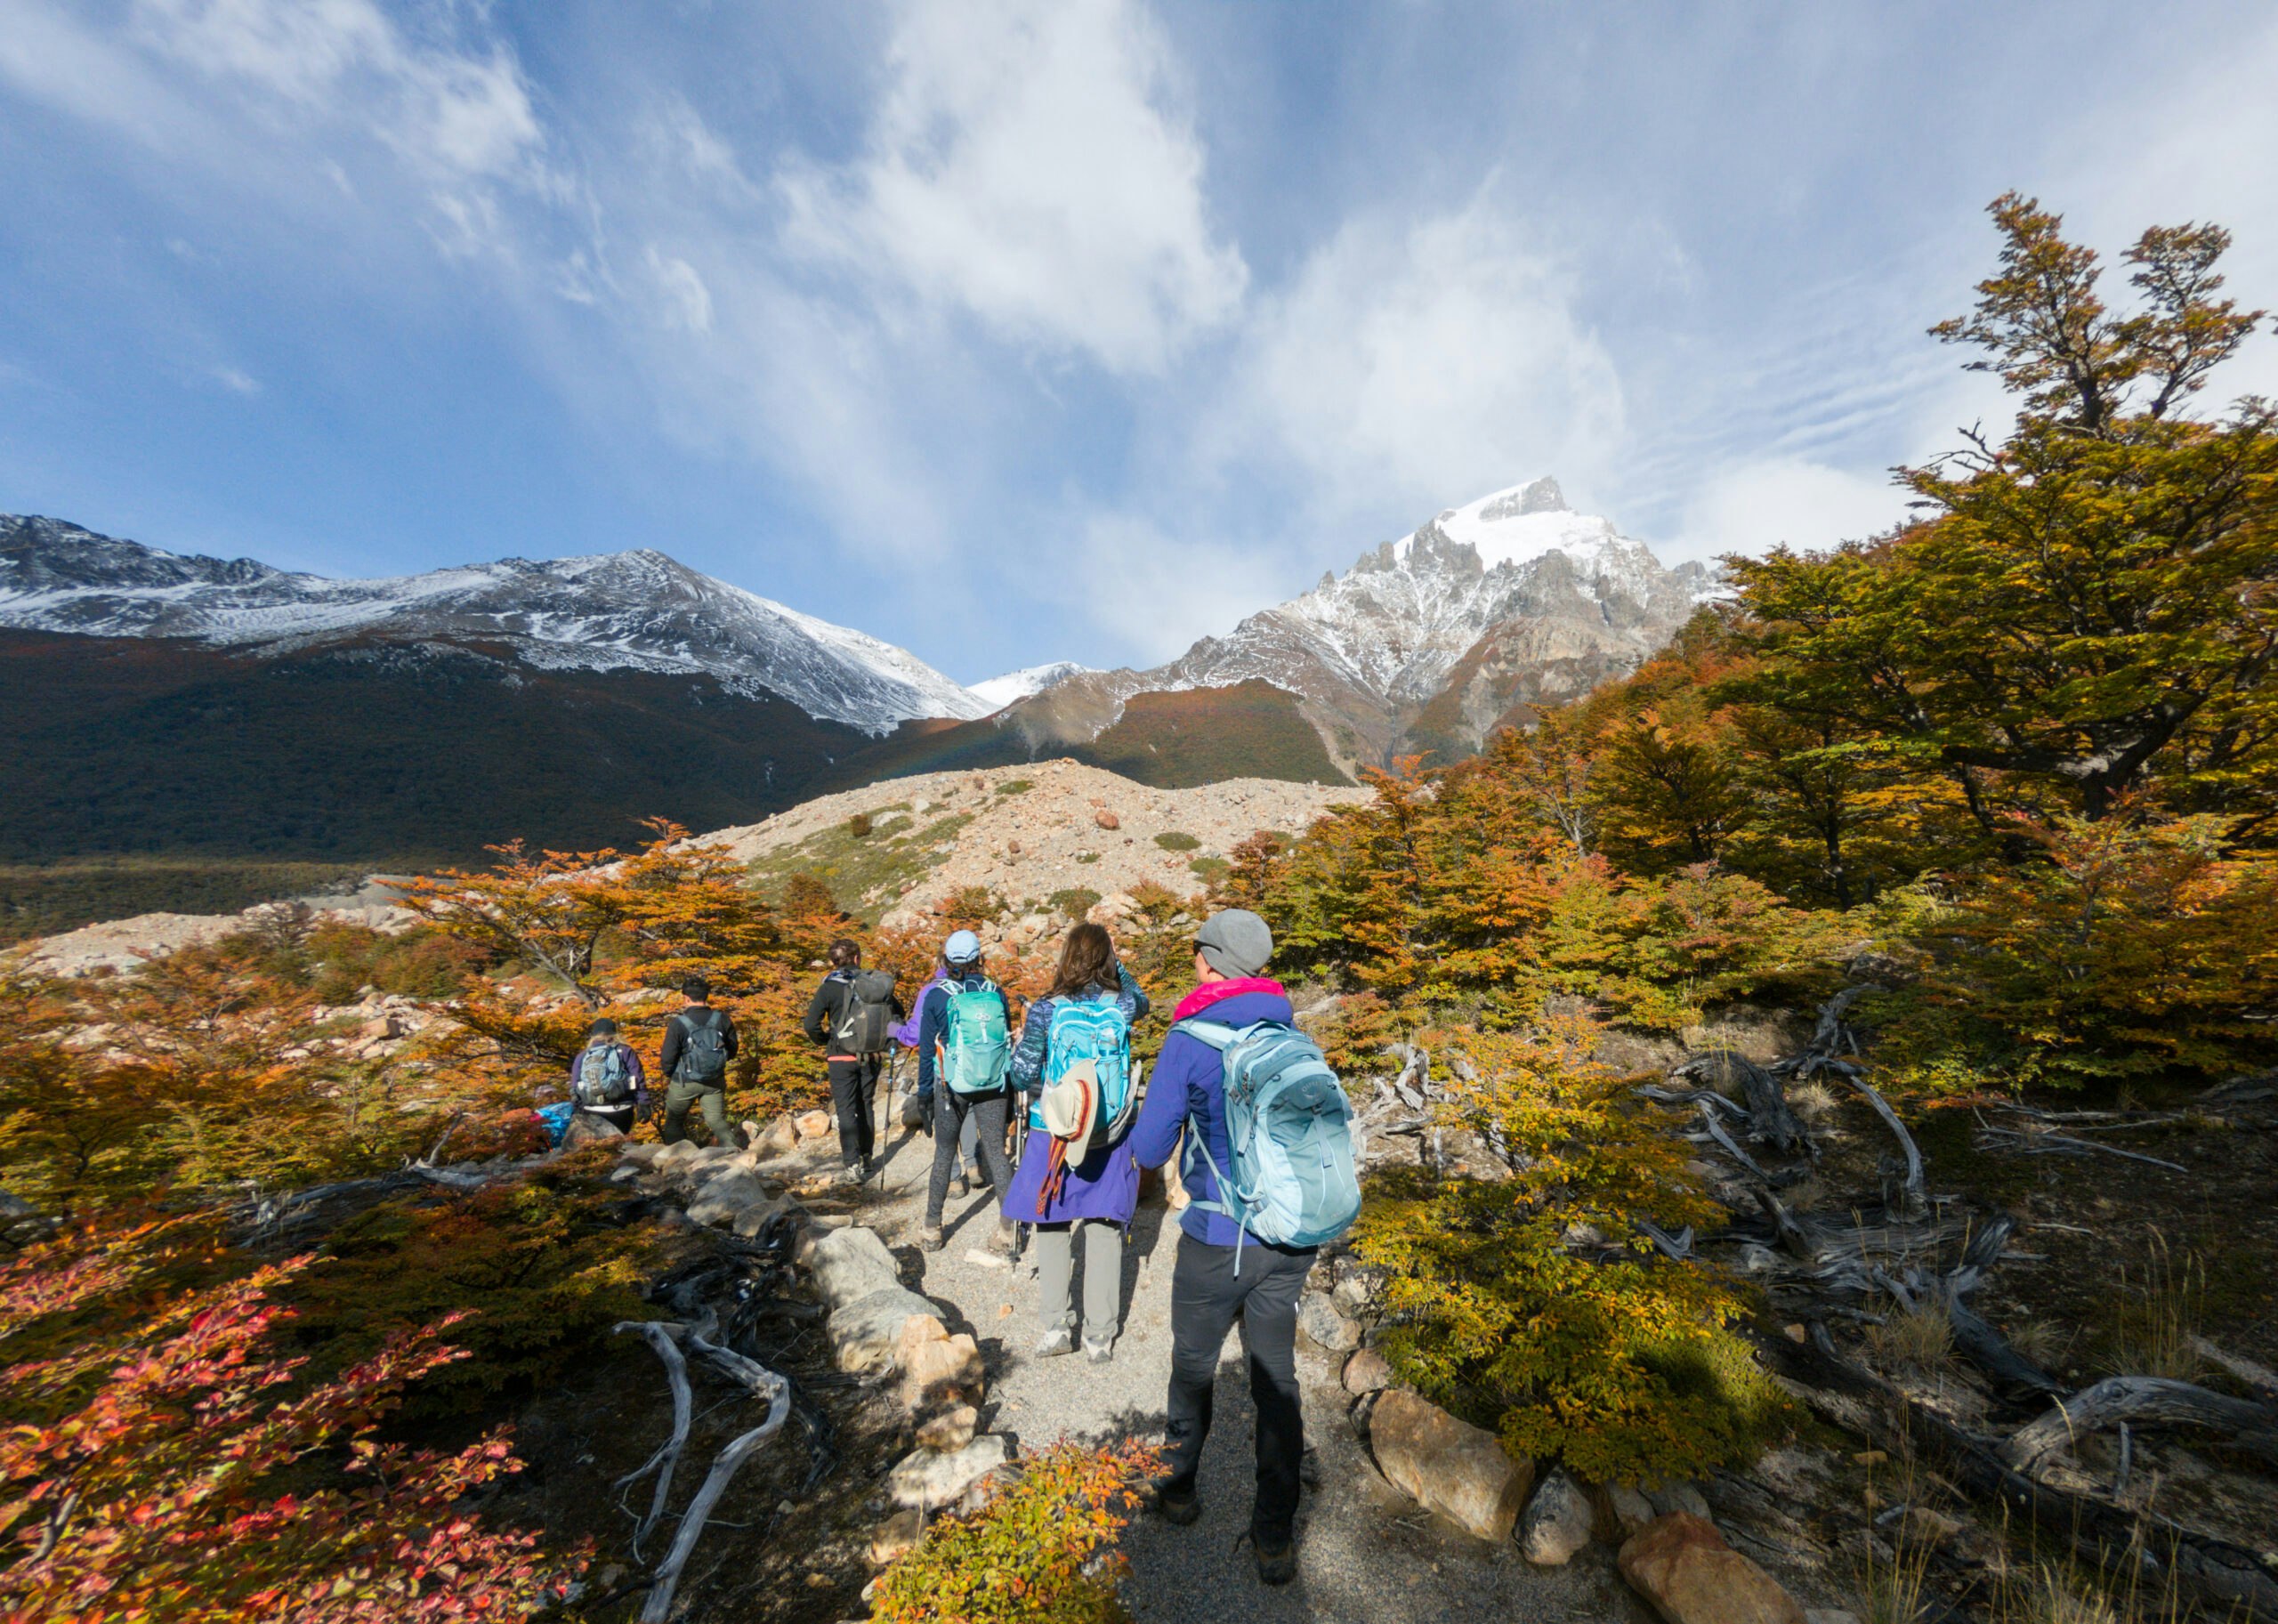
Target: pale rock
point(950, 1431)
point(1324, 1326)
point(896, 1538)
point(678, 1155)
point(749, 1222)
point(586, 1128)
point(1681, 1565)
point(1928, 1527)
point(866, 1334)
point(927, 1478)
point(813, 1124)
point(1447, 1467)
point(1367, 1371)
point(624, 1172)
point(1556, 1523)
point(642, 1152)
point(936, 1368)
point(851, 1262)
point(726, 1200)
point(1666, 1497)
point(780, 1137)
point(986, 1487)
point(1626, 1511)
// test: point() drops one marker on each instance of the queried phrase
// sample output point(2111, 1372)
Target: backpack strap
point(1217, 1034)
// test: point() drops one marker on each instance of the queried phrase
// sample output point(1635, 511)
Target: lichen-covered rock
point(1367, 1371)
point(1324, 1326)
point(1681, 1565)
point(1557, 1522)
point(927, 1478)
point(1447, 1467)
point(950, 1431)
point(850, 1262)
point(937, 1369)
point(866, 1334)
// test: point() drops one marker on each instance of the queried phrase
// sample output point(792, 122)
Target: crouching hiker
point(1073, 1072)
point(965, 1044)
point(698, 1044)
point(853, 1013)
point(1269, 1165)
point(606, 1081)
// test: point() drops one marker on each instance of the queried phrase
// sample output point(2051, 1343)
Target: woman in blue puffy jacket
point(1097, 1194)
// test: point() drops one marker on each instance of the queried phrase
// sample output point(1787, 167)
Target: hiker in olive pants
point(698, 1044)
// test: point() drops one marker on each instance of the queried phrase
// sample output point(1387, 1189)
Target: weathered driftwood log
point(2141, 1401)
point(2017, 1143)
point(1769, 1120)
point(1911, 1201)
point(667, 1455)
point(2135, 1548)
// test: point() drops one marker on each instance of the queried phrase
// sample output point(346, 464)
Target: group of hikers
point(1059, 1121)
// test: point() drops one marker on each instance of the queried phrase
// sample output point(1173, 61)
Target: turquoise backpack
point(1094, 1029)
point(976, 1050)
point(1290, 1127)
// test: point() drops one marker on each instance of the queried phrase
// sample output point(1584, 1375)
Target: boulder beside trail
point(1681, 1565)
point(1367, 1371)
point(1626, 1512)
point(950, 1431)
point(896, 1537)
point(850, 1264)
point(1325, 1326)
point(813, 1124)
point(586, 1128)
point(780, 1137)
point(1447, 1467)
point(936, 1368)
point(866, 1334)
point(927, 1478)
point(1558, 1522)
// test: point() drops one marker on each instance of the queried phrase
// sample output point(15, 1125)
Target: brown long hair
point(1086, 963)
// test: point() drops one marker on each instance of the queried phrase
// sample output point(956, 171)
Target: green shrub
point(1074, 902)
point(1015, 786)
point(1209, 870)
point(860, 826)
point(1176, 840)
point(1626, 1371)
point(1088, 857)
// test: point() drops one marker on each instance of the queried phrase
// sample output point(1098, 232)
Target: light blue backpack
point(1290, 1127)
point(1093, 1030)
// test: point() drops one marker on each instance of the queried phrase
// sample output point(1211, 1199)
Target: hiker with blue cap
point(964, 1051)
point(1269, 1165)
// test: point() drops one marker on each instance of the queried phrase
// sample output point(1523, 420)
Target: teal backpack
point(1094, 1029)
point(975, 1050)
point(1290, 1127)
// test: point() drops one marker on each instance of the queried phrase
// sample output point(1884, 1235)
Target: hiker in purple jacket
point(1096, 1194)
point(1214, 1281)
point(918, 1115)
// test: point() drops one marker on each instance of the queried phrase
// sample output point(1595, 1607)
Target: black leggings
point(950, 1109)
point(852, 1083)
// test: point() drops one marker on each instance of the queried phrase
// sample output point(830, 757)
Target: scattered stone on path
point(1558, 1522)
point(728, 1197)
point(1447, 1467)
point(851, 1262)
point(950, 1431)
point(1324, 1326)
point(925, 1478)
point(1367, 1371)
point(896, 1537)
point(813, 1124)
point(866, 1334)
point(937, 1368)
point(1681, 1565)
point(985, 1259)
point(1107, 820)
point(780, 1137)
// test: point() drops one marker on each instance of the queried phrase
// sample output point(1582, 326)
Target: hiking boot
point(960, 1185)
point(850, 1177)
point(931, 1238)
point(1006, 1242)
point(1179, 1508)
point(1277, 1564)
point(1099, 1350)
point(1055, 1341)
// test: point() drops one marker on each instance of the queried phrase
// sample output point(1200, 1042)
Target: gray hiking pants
point(1056, 1269)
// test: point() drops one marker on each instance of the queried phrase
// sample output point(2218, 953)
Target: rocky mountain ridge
point(637, 610)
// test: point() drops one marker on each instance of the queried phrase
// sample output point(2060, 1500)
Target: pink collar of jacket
point(1212, 993)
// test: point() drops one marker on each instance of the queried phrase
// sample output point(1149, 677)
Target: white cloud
point(1030, 164)
point(1433, 361)
point(1759, 505)
point(687, 301)
point(1147, 594)
point(238, 382)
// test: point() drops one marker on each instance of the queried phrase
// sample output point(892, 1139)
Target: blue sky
point(1016, 330)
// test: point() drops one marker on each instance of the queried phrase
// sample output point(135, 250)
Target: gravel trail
point(1367, 1555)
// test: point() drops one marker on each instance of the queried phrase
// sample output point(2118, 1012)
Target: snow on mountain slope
point(999, 691)
point(1566, 598)
point(638, 609)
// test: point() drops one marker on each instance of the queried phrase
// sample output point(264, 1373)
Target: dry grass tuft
point(2042, 1341)
point(1813, 1101)
point(2157, 1313)
point(1918, 1339)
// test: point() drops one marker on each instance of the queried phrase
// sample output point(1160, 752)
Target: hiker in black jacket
point(854, 1015)
point(698, 1044)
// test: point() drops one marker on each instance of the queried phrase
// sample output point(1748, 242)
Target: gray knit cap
point(1236, 942)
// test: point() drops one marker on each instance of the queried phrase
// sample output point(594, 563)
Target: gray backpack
point(704, 1047)
point(604, 1077)
point(866, 1015)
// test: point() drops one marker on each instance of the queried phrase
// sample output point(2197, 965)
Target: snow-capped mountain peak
point(639, 610)
point(999, 691)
